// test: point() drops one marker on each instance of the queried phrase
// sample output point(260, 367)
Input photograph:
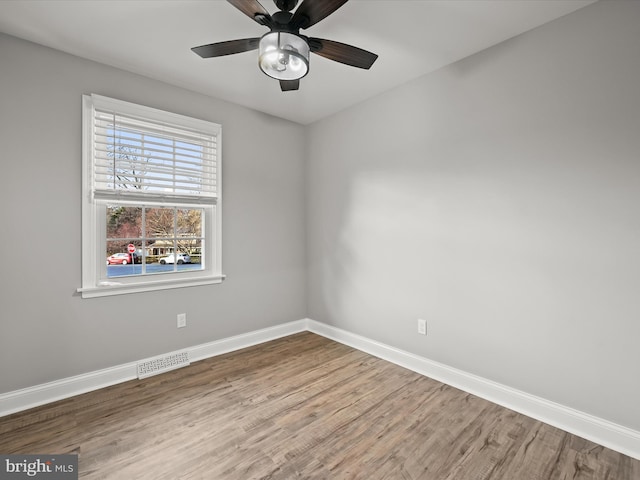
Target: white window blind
point(137, 157)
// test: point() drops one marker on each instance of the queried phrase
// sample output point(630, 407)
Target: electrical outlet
point(182, 320)
point(422, 326)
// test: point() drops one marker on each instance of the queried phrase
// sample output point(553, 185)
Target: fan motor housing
point(281, 20)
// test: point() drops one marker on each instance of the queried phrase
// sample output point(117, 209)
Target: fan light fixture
point(284, 52)
point(284, 56)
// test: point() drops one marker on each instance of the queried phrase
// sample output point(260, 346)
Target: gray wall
point(47, 331)
point(499, 199)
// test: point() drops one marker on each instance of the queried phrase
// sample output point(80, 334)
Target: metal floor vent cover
point(154, 366)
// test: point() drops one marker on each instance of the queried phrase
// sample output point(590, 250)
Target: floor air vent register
point(164, 363)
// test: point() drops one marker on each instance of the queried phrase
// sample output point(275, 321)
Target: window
point(151, 199)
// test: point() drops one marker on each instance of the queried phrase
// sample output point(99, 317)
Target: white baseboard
point(603, 432)
point(238, 342)
point(598, 430)
point(30, 397)
point(42, 394)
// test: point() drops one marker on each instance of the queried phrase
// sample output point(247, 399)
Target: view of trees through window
point(165, 239)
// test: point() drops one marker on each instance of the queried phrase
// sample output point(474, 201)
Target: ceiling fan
point(284, 52)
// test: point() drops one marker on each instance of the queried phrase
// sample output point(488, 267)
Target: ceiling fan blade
point(343, 53)
point(227, 48)
point(288, 85)
point(311, 12)
point(252, 9)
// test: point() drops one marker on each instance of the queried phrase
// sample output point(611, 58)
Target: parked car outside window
point(123, 259)
point(119, 259)
point(182, 258)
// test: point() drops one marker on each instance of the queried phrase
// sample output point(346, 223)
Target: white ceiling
point(154, 38)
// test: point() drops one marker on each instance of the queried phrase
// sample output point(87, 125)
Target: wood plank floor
point(302, 407)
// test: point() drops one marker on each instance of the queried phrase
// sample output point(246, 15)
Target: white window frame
point(94, 274)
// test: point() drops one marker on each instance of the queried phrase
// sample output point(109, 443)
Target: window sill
point(114, 288)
